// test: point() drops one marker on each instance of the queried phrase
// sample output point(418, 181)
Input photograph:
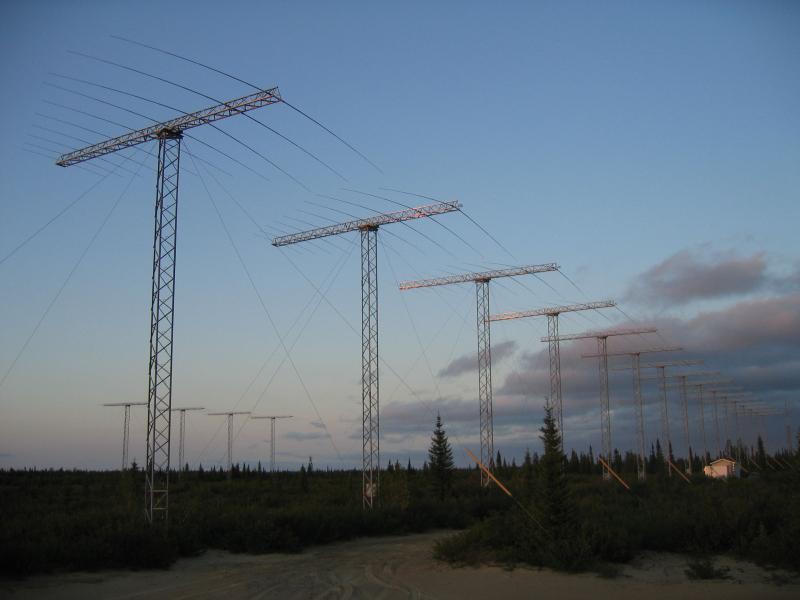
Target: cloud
point(756, 343)
point(469, 362)
point(770, 323)
point(303, 436)
point(699, 274)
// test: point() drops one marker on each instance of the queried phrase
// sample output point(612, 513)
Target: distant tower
point(271, 436)
point(181, 445)
point(126, 427)
point(229, 414)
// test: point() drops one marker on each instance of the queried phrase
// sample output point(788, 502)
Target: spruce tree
point(554, 492)
point(761, 455)
point(440, 459)
point(659, 466)
point(566, 549)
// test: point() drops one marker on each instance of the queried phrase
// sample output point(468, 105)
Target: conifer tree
point(554, 493)
point(659, 457)
point(527, 471)
point(440, 459)
point(566, 548)
point(761, 455)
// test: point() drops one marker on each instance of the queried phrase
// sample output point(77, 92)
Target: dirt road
point(388, 568)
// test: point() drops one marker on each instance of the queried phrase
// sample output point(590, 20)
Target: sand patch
point(398, 567)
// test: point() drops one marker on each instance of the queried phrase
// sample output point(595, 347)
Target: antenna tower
point(481, 280)
point(666, 436)
point(553, 346)
point(368, 228)
point(181, 444)
point(602, 353)
point(126, 427)
point(230, 433)
point(638, 401)
point(162, 306)
point(272, 419)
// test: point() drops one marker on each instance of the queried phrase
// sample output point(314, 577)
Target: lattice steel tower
point(483, 324)
point(168, 134)
point(683, 383)
point(661, 377)
point(698, 386)
point(554, 346)
point(638, 400)
point(370, 404)
point(602, 354)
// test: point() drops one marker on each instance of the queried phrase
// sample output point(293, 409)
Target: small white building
point(723, 468)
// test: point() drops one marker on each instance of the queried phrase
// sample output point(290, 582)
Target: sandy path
point(388, 568)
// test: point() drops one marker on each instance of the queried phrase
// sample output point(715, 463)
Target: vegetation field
point(563, 514)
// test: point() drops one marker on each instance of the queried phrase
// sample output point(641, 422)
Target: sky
point(650, 149)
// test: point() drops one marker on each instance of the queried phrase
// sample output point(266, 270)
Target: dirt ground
point(397, 567)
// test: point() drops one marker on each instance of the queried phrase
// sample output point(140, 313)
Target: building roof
point(723, 460)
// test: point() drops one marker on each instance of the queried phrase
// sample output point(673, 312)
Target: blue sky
point(607, 138)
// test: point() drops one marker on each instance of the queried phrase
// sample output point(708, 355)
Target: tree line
point(561, 513)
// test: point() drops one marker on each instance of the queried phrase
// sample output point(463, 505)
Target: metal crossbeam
point(672, 363)
point(481, 280)
point(598, 334)
point(700, 383)
point(430, 210)
point(479, 276)
point(682, 375)
point(552, 311)
point(656, 365)
point(643, 351)
point(189, 121)
point(553, 346)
